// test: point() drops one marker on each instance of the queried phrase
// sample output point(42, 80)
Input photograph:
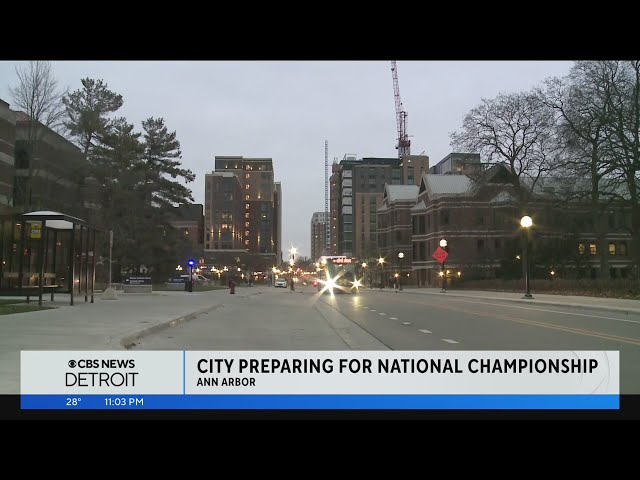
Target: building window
point(480, 245)
point(186, 232)
point(623, 249)
point(581, 248)
point(444, 217)
point(246, 224)
point(246, 233)
point(612, 248)
point(593, 250)
point(246, 205)
point(498, 244)
point(246, 242)
point(247, 186)
point(246, 197)
point(246, 215)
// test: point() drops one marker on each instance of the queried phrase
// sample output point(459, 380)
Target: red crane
point(404, 144)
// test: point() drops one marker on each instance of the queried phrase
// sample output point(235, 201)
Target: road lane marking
point(393, 318)
point(425, 331)
point(579, 331)
point(555, 311)
point(373, 310)
point(381, 313)
point(406, 323)
point(448, 340)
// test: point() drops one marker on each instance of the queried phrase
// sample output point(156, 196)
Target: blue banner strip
point(319, 402)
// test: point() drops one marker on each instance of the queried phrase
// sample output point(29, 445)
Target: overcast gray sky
point(287, 109)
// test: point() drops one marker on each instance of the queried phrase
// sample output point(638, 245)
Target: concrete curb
point(534, 301)
point(131, 340)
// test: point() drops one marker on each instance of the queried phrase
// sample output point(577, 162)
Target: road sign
point(440, 255)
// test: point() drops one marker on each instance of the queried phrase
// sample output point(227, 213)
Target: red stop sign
point(440, 255)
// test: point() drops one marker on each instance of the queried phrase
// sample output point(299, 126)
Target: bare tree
point(625, 141)
point(582, 101)
point(515, 129)
point(37, 94)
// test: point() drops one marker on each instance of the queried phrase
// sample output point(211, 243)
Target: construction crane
point(404, 144)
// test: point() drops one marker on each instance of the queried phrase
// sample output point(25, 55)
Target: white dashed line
point(406, 323)
point(393, 318)
point(381, 313)
point(373, 310)
point(425, 331)
point(448, 340)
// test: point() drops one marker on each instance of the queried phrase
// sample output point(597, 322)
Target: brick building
point(394, 231)
point(479, 217)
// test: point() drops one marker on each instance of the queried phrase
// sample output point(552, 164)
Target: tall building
point(224, 212)
point(334, 213)
point(277, 220)
point(318, 226)
point(358, 186)
point(252, 215)
point(7, 163)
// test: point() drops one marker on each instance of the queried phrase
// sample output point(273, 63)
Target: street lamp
point(443, 245)
point(191, 263)
point(381, 263)
point(400, 256)
point(526, 223)
point(364, 273)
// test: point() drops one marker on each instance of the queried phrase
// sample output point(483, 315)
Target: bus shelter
point(48, 252)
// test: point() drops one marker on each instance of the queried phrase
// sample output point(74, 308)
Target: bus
point(338, 275)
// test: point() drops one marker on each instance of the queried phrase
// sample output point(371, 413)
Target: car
point(197, 279)
point(281, 282)
point(201, 279)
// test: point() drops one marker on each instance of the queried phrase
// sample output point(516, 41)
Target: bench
point(32, 290)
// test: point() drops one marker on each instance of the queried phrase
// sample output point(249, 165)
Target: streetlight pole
point(400, 256)
point(381, 263)
point(364, 273)
point(526, 223)
point(443, 245)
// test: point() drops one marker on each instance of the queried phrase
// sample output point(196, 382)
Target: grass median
point(11, 306)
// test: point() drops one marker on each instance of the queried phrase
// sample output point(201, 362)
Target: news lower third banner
point(254, 380)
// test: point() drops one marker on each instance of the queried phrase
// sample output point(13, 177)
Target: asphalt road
point(283, 320)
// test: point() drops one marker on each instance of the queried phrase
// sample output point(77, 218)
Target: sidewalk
point(103, 325)
point(574, 301)
point(261, 317)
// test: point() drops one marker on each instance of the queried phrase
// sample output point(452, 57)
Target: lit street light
point(364, 273)
point(443, 244)
point(400, 256)
point(526, 223)
point(381, 263)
